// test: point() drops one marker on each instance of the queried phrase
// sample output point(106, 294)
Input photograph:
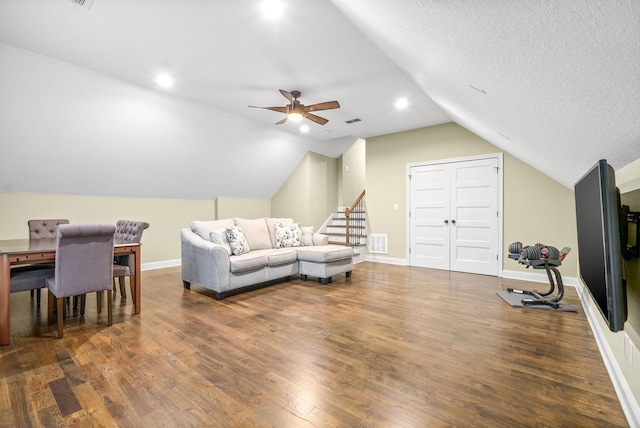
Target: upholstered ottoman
point(324, 261)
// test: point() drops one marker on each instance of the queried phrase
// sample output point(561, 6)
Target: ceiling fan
point(296, 111)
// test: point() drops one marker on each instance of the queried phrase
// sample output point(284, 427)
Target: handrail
point(349, 210)
point(347, 214)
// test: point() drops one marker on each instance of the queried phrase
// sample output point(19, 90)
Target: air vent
point(353, 121)
point(84, 3)
point(378, 243)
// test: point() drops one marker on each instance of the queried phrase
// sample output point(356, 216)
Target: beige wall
point(227, 207)
point(352, 173)
point(161, 242)
point(536, 208)
point(310, 194)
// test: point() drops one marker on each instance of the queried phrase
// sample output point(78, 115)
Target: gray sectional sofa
point(234, 255)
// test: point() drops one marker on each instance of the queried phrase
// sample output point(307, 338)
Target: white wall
point(68, 130)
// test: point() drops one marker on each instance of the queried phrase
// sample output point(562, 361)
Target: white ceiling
point(554, 83)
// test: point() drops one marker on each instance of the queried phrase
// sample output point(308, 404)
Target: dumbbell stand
point(555, 280)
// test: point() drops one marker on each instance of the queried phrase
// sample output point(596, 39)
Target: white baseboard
point(160, 265)
point(534, 276)
point(388, 260)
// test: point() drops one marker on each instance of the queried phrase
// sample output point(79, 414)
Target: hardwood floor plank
point(390, 346)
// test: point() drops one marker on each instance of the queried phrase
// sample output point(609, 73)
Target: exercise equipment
point(540, 256)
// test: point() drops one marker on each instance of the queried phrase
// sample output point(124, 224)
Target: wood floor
point(390, 347)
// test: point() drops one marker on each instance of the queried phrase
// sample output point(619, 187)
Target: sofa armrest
point(204, 262)
point(320, 239)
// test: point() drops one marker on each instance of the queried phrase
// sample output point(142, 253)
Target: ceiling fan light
point(164, 80)
point(295, 117)
point(272, 8)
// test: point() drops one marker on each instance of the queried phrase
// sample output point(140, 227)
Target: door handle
point(453, 221)
point(446, 222)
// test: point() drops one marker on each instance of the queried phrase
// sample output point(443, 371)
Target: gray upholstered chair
point(22, 278)
point(131, 231)
point(84, 264)
point(30, 279)
point(44, 229)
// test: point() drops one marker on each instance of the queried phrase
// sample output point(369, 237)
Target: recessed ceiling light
point(304, 128)
point(402, 103)
point(164, 80)
point(272, 8)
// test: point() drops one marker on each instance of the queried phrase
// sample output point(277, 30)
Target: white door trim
point(500, 159)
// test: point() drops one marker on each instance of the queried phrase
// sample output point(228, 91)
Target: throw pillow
point(255, 231)
point(271, 225)
point(204, 228)
point(237, 241)
point(307, 236)
point(288, 235)
point(220, 237)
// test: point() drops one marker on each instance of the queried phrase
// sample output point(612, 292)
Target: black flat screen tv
point(599, 248)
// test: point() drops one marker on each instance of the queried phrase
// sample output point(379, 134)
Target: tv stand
point(549, 263)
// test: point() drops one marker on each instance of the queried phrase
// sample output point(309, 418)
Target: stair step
point(343, 227)
point(341, 233)
point(341, 240)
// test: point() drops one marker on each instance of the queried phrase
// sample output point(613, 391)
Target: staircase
point(351, 231)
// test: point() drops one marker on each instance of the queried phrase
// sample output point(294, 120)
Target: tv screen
point(599, 248)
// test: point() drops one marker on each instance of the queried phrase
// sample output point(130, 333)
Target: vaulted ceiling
point(554, 83)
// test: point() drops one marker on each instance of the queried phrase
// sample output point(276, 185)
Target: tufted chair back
point(131, 231)
point(44, 229)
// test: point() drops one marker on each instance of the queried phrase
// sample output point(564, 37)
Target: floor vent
point(378, 243)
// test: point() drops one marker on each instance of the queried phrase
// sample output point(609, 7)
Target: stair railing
point(355, 212)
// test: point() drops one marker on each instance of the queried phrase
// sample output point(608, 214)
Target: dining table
point(14, 252)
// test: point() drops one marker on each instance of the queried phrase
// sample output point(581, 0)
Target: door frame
point(500, 159)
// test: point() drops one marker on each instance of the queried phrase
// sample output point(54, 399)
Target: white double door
point(455, 216)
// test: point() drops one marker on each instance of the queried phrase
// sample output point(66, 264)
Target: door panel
point(474, 207)
point(430, 207)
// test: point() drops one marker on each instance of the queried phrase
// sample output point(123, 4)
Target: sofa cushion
point(255, 231)
point(220, 237)
point(282, 256)
point(204, 228)
point(271, 226)
point(324, 253)
point(307, 236)
point(288, 235)
point(246, 262)
point(237, 241)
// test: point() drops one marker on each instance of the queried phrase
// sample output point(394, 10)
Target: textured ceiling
point(554, 83)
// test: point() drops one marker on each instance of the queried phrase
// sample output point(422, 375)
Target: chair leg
point(60, 317)
point(114, 284)
point(83, 302)
point(132, 281)
point(123, 291)
point(50, 300)
point(99, 296)
point(38, 296)
point(109, 307)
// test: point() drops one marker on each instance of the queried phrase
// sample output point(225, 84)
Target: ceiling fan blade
point(287, 95)
point(322, 106)
point(281, 121)
point(316, 119)
point(278, 109)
